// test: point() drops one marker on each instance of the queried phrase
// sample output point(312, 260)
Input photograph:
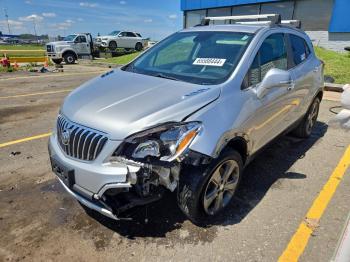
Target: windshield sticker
point(209, 61)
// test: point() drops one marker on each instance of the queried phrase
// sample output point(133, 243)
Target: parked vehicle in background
point(71, 48)
point(121, 39)
point(187, 116)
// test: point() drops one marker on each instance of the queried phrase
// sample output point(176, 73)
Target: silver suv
point(186, 116)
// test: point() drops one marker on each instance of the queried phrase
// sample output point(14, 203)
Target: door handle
point(288, 82)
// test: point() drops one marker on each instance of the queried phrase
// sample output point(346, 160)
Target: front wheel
point(69, 58)
point(113, 46)
point(304, 129)
point(205, 192)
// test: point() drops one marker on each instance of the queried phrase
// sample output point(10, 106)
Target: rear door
point(303, 69)
point(132, 39)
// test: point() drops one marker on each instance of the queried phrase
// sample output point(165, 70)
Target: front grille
point(49, 48)
point(78, 141)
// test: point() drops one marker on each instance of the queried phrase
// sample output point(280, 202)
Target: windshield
point(70, 38)
point(114, 33)
point(197, 57)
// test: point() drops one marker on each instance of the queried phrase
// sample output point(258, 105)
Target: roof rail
point(295, 23)
point(273, 18)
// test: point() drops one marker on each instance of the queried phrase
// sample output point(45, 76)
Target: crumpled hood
point(121, 103)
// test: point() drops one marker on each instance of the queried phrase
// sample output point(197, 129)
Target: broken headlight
point(166, 142)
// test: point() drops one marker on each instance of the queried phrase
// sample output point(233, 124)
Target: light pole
point(34, 26)
point(7, 21)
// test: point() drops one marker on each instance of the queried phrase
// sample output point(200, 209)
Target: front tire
point(113, 46)
point(69, 58)
point(304, 129)
point(205, 192)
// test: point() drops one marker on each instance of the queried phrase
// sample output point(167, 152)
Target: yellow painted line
point(24, 140)
point(23, 51)
point(53, 75)
point(301, 237)
point(27, 59)
point(35, 94)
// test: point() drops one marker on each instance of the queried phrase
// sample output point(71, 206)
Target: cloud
point(31, 18)
point(17, 25)
point(172, 16)
point(48, 14)
point(63, 25)
point(88, 4)
point(80, 19)
point(28, 2)
point(122, 2)
point(149, 20)
point(11, 23)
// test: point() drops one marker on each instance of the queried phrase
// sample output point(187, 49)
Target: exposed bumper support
point(89, 204)
point(110, 186)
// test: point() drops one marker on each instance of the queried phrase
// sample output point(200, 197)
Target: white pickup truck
point(121, 39)
point(71, 48)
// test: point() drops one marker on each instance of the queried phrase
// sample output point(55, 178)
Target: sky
point(152, 18)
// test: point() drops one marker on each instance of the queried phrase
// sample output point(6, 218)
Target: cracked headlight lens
point(166, 142)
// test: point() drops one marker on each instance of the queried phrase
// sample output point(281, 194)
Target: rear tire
point(69, 58)
point(138, 47)
point(57, 61)
point(304, 129)
point(205, 192)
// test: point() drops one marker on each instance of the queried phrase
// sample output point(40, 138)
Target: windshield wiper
point(161, 75)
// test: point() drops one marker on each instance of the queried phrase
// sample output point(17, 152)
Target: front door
point(82, 46)
point(274, 108)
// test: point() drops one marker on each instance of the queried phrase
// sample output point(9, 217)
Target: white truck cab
point(72, 47)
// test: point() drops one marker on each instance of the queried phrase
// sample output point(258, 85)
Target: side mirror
point(274, 78)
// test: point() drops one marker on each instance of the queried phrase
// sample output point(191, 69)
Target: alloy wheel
point(312, 117)
point(221, 187)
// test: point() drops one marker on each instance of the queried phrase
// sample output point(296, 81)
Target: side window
point(300, 49)
point(82, 39)
point(130, 34)
point(122, 34)
point(272, 54)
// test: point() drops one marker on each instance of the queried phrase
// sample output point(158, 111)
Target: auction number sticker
point(209, 61)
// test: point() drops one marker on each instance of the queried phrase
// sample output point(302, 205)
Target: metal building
point(326, 21)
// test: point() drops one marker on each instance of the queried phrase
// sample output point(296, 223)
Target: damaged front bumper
point(108, 188)
point(92, 205)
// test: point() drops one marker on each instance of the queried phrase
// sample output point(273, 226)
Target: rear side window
point(300, 49)
point(272, 54)
point(130, 34)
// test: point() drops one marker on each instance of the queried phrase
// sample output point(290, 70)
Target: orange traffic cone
point(46, 63)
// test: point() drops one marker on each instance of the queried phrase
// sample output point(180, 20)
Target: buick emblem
point(65, 137)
